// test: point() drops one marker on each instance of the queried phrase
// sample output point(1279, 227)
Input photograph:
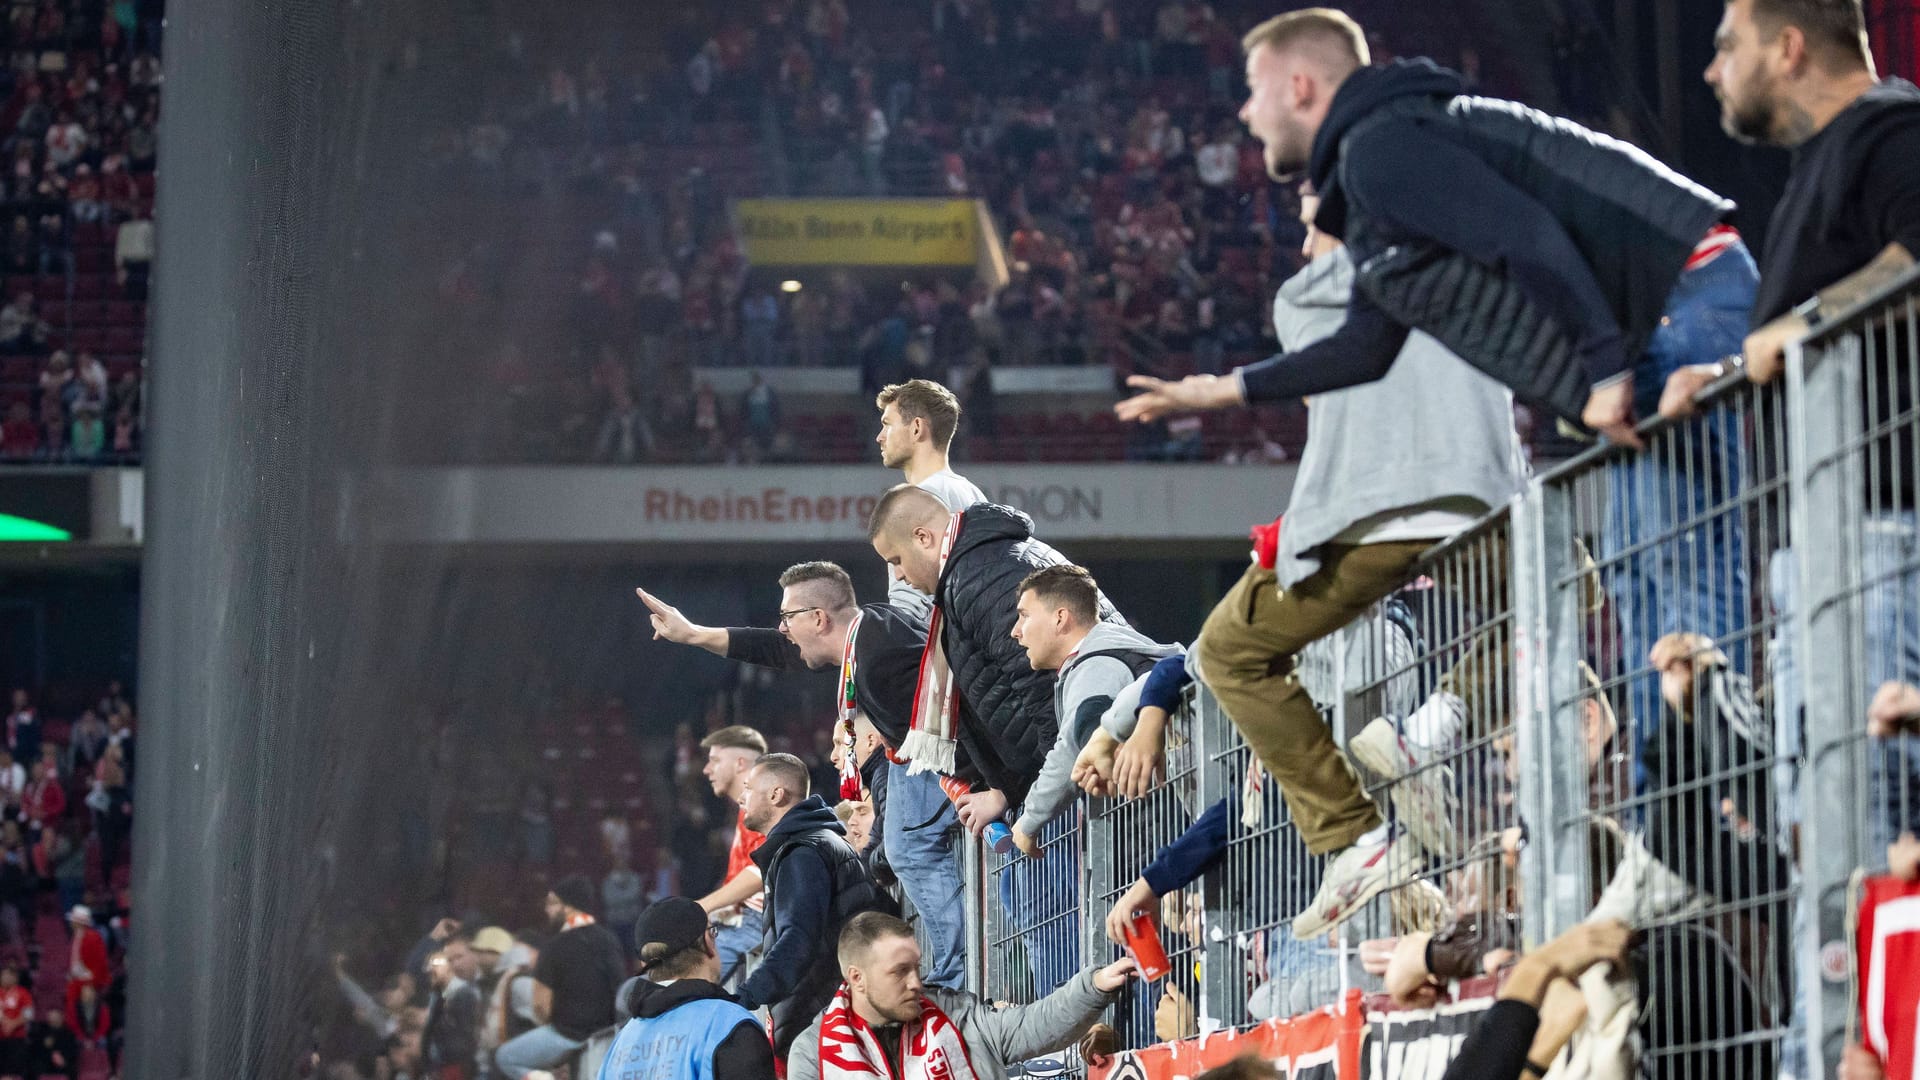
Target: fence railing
point(1639, 691)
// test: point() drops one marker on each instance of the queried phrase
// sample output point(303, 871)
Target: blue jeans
point(1042, 897)
point(1890, 555)
point(541, 1048)
point(919, 831)
point(1677, 549)
point(735, 942)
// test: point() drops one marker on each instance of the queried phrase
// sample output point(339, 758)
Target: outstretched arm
point(670, 625)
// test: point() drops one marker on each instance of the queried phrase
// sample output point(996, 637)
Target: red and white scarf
point(932, 743)
point(849, 707)
point(931, 1048)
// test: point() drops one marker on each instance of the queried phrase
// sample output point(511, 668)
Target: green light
point(19, 528)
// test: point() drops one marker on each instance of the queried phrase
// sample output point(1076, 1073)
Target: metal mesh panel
point(1125, 835)
point(1854, 594)
point(1034, 912)
point(1267, 876)
point(1675, 823)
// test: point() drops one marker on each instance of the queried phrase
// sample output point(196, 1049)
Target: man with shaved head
point(816, 882)
point(972, 563)
point(979, 699)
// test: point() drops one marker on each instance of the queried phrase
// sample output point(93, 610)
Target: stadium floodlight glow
point(19, 528)
point(790, 285)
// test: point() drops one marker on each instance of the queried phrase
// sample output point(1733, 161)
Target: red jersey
point(1890, 973)
point(745, 843)
point(16, 1007)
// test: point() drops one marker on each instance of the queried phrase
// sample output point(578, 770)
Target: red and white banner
point(1364, 1038)
point(1321, 1045)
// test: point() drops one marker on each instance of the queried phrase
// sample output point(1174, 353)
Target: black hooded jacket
point(744, 1053)
point(1007, 722)
point(815, 883)
point(1539, 251)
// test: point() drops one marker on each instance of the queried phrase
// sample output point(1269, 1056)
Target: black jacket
point(1855, 188)
point(48, 1041)
point(1007, 723)
point(815, 883)
point(452, 1035)
point(744, 1053)
point(1546, 256)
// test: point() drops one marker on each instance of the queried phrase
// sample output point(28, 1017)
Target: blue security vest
point(677, 1045)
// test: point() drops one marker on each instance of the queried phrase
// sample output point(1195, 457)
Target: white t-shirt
point(956, 491)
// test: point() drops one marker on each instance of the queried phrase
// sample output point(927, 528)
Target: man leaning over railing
point(977, 696)
point(1094, 661)
point(1799, 74)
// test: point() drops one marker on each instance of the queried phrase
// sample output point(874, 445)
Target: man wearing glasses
point(877, 648)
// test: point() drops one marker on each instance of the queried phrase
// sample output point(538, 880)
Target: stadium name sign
point(858, 232)
point(781, 504)
point(1047, 504)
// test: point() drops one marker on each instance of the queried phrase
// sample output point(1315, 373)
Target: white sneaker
point(1356, 876)
point(1422, 793)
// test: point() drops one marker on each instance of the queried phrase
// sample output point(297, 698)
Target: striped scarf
point(931, 1048)
point(932, 744)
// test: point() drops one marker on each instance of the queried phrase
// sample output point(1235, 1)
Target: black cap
point(676, 922)
point(576, 892)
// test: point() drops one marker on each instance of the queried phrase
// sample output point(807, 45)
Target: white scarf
point(932, 743)
point(931, 1048)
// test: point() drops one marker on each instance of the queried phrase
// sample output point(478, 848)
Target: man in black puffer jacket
point(972, 564)
point(1006, 724)
point(1555, 259)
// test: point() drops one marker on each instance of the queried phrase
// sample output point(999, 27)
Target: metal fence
point(1614, 697)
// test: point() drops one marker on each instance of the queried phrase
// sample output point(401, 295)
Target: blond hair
point(1329, 33)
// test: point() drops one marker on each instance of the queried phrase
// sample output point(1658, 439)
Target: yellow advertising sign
point(857, 232)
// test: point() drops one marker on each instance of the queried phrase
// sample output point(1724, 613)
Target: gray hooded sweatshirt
point(1432, 429)
point(1083, 692)
point(994, 1036)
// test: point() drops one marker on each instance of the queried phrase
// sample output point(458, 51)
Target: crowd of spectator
point(442, 996)
point(66, 813)
point(81, 89)
point(1141, 232)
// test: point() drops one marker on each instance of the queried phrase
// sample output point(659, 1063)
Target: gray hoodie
point(1083, 691)
point(994, 1036)
point(1431, 429)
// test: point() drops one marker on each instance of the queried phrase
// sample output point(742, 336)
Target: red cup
point(1143, 944)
